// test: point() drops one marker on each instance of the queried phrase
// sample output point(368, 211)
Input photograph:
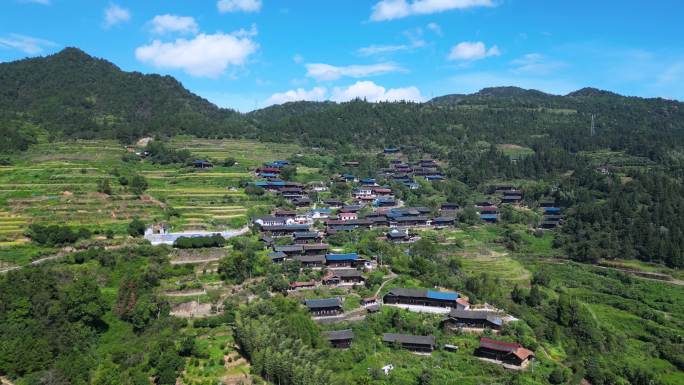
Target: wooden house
point(476, 319)
point(311, 261)
point(341, 260)
point(506, 352)
point(339, 339)
point(324, 307)
point(422, 297)
point(343, 277)
point(421, 344)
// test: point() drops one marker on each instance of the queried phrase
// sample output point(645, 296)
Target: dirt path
point(195, 261)
point(391, 277)
point(187, 293)
point(61, 254)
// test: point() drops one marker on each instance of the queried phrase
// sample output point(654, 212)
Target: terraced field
point(56, 183)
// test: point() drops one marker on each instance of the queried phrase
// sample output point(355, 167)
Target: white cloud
point(364, 89)
point(535, 63)
point(238, 5)
point(325, 72)
point(163, 24)
point(26, 44)
point(114, 15)
point(374, 93)
point(297, 58)
point(204, 55)
point(314, 94)
point(397, 9)
point(415, 42)
point(434, 27)
point(472, 50)
point(382, 49)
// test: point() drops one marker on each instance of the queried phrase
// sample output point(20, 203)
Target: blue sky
point(247, 54)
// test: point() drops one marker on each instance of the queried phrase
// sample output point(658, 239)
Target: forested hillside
point(71, 94)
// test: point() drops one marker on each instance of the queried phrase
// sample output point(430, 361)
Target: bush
point(136, 228)
point(215, 240)
point(55, 235)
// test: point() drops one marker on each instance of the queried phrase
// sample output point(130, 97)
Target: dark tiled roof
point(322, 303)
point(409, 339)
point(336, 335)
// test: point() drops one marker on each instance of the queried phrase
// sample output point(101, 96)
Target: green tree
point(138, 184)
point(136, 228)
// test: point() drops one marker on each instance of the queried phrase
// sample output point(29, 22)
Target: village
point(300, 232)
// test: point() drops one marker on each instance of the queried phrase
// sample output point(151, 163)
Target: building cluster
point(459, 315)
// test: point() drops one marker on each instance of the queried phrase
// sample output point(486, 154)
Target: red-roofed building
point(506, 352)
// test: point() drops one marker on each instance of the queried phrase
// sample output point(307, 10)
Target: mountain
point(72, 94)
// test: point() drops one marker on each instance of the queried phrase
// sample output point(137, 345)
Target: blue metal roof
point(488, 216)
point(342, 257)
point(443, 295)
point(552, 209)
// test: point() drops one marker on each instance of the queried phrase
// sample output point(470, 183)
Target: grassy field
point(56, 183)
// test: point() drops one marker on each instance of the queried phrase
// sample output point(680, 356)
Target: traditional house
point(441, 222)
point(434, 177)
point(315, 248)
point(476, 319)
point(347, 216)
point(339, 339)
point(368, 301)
point(385, 202)
point(506, 352)
point(423, 297)
point(368, 182)
point(512, 196)
point(449, 207)
point(277, 256)
point(285, 213)
point(341, 260)
point(306, 237)
point(294, 286)
point(301, 201)
point(266, 239)
point(324, 307)
point(311, 261)
point(397, 236)
point(343, 277)
point(286, 230)
point(410, 221)
point(199, 163)
point(421, 344)
point(319, 213)
point(333, 203)
point(289, 250)
point(349, 178)
point(351, 209)
point(491, 218)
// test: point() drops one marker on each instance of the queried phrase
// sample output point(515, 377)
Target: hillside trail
point(61, 254)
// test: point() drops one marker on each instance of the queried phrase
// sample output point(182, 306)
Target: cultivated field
point(56, 183)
